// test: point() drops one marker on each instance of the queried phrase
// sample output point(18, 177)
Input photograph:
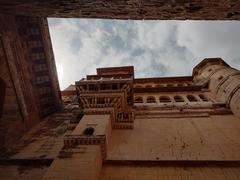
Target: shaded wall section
point(27, 68)
point(202, 138)
point(121, 9)
point(176, 172)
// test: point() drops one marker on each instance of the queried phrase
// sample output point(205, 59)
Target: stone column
point(223, 81)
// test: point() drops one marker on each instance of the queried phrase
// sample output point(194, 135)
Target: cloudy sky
point(154, 48)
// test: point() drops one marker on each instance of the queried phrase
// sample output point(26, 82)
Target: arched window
point(203, 98)
point(164, 99)
point(170, 85)
point(151, 99)
point(160, 85)
point(178, 99)
point(179, 85)
point(191, 98)
point(88, 131)
point(148, 86)
point(2, 95)
point(138, 100)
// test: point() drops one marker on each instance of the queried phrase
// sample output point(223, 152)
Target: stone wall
point(122, 9)
point(11, 116)
point(183, 137)
point(28, 70)
point(169, 172)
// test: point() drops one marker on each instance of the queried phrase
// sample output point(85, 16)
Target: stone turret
point(222, 80)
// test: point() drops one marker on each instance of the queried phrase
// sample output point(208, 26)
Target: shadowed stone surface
point(126, 9)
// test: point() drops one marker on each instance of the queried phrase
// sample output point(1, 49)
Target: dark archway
point(164, 99)
point(151, 99)
point(178, 99)
point(138, 100)
point(2, 95)
point(192, 98)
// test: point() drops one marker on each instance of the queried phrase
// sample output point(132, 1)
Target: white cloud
point(211, 39)
point(155, 48)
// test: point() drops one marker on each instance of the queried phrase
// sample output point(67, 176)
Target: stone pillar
point(222, 80)
point(84, 150)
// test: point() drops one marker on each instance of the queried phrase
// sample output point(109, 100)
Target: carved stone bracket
point(70, 141)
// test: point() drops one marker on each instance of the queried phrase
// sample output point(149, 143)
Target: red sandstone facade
point(112, 125)
point(154, 128)
point(28, 73)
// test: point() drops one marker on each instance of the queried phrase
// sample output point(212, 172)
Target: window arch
point(159, 85)
point(179, 84)
point(148, 86)
point(151, 99)
point(138, 86)
point(164, 99)
point(178, 99)
point(203, 98)
point(191, 98)
point(2, 95)
point(170, 85)
point(138, 100)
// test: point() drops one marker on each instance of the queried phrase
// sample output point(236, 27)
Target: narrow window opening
point(179, 85)
point(170, 85)
point(220, 78)
point(191, 98)
point(178, 99)
point(138, 100)
point(160, 85)
point(148, 86)
point(93, 87)
point(151, 99)
point(88, 131)
point(164, 99)
point(103, 87)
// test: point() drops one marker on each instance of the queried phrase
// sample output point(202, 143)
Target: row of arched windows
point(163, 85)
point(167, 99)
